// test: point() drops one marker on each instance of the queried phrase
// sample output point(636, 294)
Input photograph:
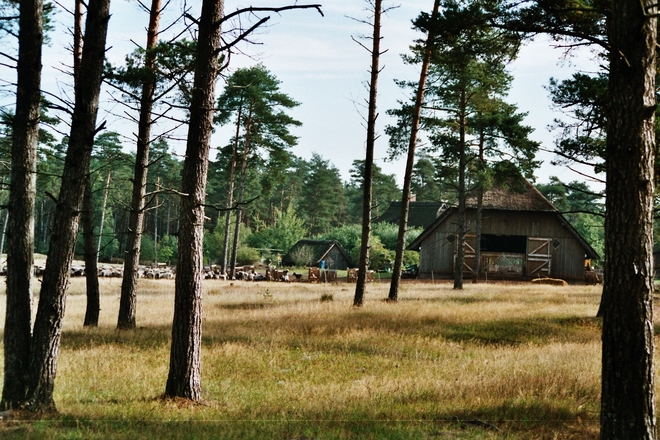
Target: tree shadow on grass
point(140, 337)
point(296, 328)
point(537, 420)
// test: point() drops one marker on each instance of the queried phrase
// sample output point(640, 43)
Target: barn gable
point(315, 251)
point(523, 237)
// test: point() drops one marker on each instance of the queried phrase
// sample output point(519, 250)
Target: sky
point(320, 66)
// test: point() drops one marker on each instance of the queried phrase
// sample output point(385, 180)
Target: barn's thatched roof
point(420, 214)
point(511, 199)
point(318, 249)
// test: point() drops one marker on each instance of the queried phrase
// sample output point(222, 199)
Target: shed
point(420, 214)
point(316, 251)
point(523, 237)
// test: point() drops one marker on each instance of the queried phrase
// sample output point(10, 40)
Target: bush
point(287, 230)
point(302, 256)
point(168, 249)
point(247, 255)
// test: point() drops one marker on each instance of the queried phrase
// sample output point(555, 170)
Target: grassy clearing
point(494, 361)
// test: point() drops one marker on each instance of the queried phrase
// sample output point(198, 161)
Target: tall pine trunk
point(367, 178)
point(476, 268)
point(87, 216)
point(230, 193)
point(185, 364)
point(128, 296)
point(50, 311)
point(91, 265)
point(410, 162)
point(20, 239)
point(462, 164)
point(241, 192)
point(627, 402)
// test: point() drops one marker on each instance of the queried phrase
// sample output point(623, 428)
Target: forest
point(68, 175)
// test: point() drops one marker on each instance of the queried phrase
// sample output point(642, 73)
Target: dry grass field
point(494, 361)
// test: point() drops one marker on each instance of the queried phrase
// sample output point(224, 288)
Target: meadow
point(296, 361)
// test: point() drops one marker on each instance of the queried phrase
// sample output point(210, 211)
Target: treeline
point(307, 199)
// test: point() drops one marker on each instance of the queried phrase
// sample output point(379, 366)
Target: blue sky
point(320, 66)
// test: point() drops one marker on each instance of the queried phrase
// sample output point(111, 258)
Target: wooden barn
point(523, 237)
point(330, 252)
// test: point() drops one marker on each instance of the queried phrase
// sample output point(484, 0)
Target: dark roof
point(511, 200)
point(420, 214)
point(320, 249)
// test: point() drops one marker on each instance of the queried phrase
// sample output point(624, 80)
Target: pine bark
point(241, 192)
point(128, 296)
point(91, 266)
point(87, 216)
point(410, 163)
point(20, 239)
point(627, 397)
point(462, 164)
point(367, 179)
point(230, 193)
point(185, 364)
point(52, 299)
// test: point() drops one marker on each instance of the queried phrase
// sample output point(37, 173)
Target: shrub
point(302, 256)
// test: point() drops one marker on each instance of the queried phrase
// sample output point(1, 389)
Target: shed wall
point(336, 260)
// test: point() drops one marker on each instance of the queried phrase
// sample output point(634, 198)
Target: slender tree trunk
point(367, 178)
point(169, 213)
point(184, 373)
point(4, 233)
point(156, 222)
point(128, 296)
point(52, 298)
point(91, 258)
point(410, 162)
point(106, 190)
point(627, 397)
point(241, 192)
point(87, 216)
point(20, 240)
point(477, 245)
point(230, 193)
point(480, 199)
point(460, 232)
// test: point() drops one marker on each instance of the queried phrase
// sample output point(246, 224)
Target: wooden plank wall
point(437, 253)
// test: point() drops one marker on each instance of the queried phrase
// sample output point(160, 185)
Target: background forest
point(290, 199)
point(285, 198)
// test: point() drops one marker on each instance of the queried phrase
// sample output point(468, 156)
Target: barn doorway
point(508, 244)
point(503, 256)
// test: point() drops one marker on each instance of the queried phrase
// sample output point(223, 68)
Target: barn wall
point(437, 255)
point(437, 252)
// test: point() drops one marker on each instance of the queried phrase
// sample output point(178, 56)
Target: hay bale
point(550, 281)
